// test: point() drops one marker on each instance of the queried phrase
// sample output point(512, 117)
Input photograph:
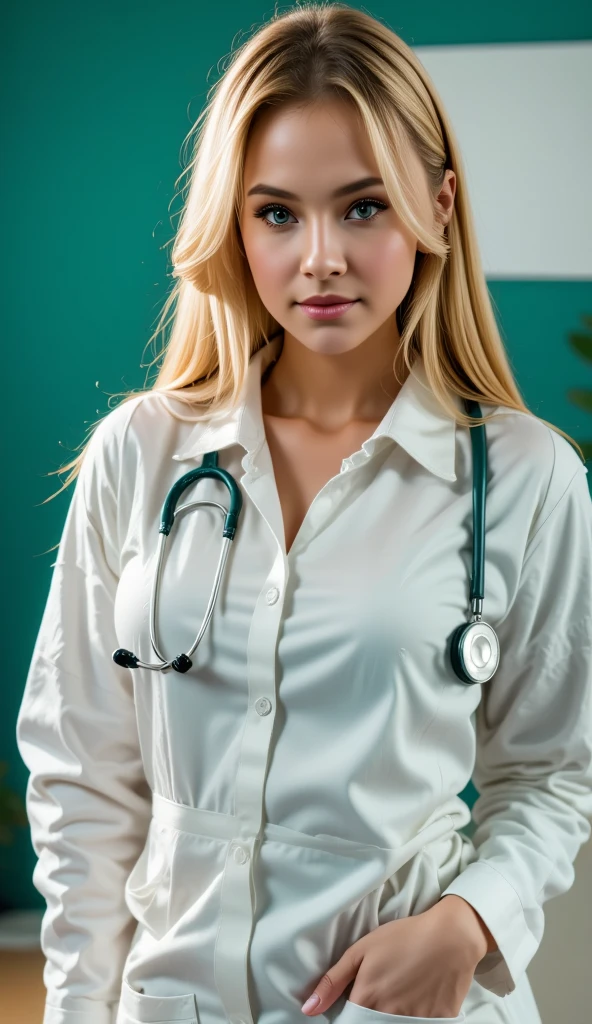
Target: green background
point(97, 99)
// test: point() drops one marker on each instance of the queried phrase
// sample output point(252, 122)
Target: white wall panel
point(523, 117)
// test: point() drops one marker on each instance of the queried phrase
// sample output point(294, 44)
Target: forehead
point(313, 148)
point(290, 142)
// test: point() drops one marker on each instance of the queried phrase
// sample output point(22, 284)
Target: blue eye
point(273, 207)
point(370, 202)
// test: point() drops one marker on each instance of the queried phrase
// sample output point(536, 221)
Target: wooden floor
point(22, 992)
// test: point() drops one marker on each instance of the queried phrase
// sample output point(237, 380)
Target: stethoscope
point(473, 646)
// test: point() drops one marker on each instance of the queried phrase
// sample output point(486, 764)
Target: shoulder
point(538, 464)
point(129, 449)
point(138, 428)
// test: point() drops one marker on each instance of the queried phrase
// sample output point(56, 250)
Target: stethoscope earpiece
point(209, 467)
point(125, 658)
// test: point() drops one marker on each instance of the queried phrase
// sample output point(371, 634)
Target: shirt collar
point(415, 420)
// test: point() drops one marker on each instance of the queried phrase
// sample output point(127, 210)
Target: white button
point(263, 706)
point(272, 595)
point(240, 855)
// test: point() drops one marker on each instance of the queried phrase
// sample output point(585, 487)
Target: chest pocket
point(354, 1013)
point(135, 1007)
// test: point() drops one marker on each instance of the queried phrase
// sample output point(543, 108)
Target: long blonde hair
point(313, 51)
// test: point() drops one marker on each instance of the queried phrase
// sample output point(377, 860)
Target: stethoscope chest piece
point(474, 652)
point(474, 646)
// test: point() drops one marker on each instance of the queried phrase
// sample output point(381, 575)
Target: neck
point(331, 390)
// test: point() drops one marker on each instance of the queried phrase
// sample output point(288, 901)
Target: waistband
point(217, 825)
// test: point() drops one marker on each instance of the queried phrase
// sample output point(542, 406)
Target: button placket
point(240, 855)
point(237, 906)
point(263, 706)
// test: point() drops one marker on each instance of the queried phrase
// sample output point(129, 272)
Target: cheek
point(389, 260)
point(267, 262)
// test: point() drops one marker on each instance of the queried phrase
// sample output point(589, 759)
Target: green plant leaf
point(581, 398)
point(6, 836)
point(582, 344)
point(12, 809)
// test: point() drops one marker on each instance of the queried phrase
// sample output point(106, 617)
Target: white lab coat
point(210, 843)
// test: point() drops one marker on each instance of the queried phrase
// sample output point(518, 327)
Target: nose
point(322, 249)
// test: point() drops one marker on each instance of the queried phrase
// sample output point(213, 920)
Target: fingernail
point(311, 1003)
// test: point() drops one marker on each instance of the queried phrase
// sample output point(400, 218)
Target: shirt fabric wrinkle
point(299, 786)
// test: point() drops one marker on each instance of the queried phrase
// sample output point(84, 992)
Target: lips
point(331, 311)
point(326, 300)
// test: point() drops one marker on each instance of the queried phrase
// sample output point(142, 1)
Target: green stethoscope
point(473, 646)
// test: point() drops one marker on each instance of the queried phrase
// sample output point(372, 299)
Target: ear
point(443, 204)
point(445, 198)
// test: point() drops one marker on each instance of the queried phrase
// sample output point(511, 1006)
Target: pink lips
point(324, 312)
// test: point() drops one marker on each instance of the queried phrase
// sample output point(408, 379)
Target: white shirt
point(298, 786)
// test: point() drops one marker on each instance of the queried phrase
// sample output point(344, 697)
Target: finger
point(333, 982)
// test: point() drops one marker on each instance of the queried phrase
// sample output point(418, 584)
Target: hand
point(419, 966)
point(464, 907)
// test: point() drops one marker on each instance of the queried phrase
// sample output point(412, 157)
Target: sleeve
point(533, 768)
point(88, 801)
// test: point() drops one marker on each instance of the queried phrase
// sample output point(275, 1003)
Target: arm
point(88, 801)
point(469, 922)
point(534, 743)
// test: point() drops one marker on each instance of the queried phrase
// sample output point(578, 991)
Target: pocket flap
point(354, 1013)
point(136, 1007)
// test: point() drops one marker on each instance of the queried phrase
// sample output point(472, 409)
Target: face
point(315, 243)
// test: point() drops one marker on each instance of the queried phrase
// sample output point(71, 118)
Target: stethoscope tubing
point(226, 542)
point(473, 646)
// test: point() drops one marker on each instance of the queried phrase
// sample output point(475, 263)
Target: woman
point(280, 817)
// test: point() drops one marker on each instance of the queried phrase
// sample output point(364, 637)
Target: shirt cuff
point(80, 1011)
point(498, 903)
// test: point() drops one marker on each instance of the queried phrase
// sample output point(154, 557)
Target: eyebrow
point(354, 186)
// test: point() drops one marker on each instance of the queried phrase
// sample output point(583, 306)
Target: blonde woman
point(226, 834)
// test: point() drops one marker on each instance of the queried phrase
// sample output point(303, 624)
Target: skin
point(329, 375)
point(330, 372)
